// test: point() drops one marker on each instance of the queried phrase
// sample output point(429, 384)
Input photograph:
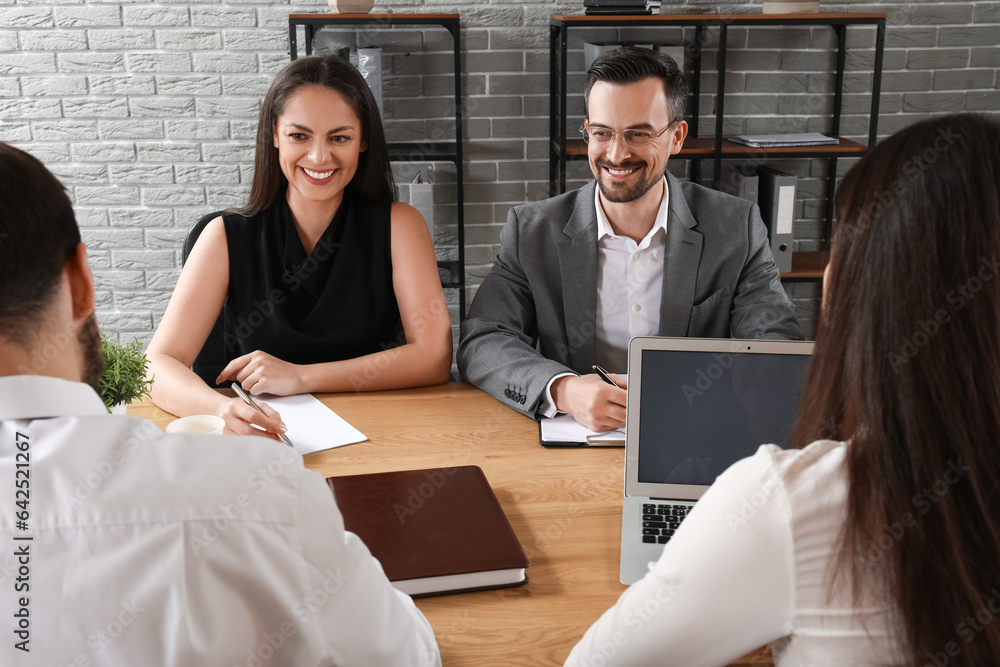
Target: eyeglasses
point(602, 136)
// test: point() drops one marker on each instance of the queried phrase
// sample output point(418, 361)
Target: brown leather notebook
point(435, 531)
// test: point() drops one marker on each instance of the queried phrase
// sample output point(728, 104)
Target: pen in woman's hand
point(249, 401)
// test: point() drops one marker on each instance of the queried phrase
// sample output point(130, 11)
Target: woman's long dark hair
point(907, 368)
point(373, 180)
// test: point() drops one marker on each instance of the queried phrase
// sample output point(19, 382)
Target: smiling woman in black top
point(329, 284)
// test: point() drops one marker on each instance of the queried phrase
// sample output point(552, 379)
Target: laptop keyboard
point(659, 521)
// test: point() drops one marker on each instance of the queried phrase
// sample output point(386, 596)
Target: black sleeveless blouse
point(337, 303)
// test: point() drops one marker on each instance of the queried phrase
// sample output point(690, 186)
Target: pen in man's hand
point(249, 401)
point(606, 376)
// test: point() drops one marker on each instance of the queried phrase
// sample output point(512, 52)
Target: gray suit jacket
point(535, 314)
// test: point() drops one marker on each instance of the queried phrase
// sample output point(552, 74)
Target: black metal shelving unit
point(420, 151)
point(716, 147)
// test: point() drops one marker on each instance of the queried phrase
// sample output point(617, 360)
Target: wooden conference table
point(564, 505)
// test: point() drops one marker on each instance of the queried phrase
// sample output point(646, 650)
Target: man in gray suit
point(634, 253)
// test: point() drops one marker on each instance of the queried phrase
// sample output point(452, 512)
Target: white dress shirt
point(629, 286)
point(747, 567)
point(629, 291)
point(153, 549)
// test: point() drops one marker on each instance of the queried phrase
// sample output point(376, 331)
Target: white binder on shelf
point(740, 180)
point(422, 197)
point(370, 65)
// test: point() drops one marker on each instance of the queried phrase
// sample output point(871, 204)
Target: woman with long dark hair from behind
point(879, 543)
point(907, 369)
point(329, 283)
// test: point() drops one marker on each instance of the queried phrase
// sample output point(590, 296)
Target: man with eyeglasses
point(633, 253)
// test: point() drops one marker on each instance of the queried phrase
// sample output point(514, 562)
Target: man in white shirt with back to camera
point(125, 546)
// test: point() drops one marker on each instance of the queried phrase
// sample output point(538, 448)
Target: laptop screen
point(702, 411)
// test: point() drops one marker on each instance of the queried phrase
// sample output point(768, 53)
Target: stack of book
point(785, 140)
point(602, 7)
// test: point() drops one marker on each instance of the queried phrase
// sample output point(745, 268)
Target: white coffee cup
point(209, 424)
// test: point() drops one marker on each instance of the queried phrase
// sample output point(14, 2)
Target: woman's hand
point(261, 373)
point(239, 416)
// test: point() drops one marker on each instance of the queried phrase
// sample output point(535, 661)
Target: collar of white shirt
point(38, 397)
point(629, 287)
point(604, 227)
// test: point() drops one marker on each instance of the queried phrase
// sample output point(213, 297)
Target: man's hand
point(591, 401)
point(261, 373)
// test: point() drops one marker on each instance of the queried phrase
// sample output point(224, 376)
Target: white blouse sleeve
point(723, 586)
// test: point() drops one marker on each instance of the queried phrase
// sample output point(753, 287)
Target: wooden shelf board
point(807, 265)
point(373, 17)
point(719, 19)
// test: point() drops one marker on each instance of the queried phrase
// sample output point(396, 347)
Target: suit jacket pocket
point(711, 317)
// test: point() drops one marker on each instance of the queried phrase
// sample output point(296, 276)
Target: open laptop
point(695, 407)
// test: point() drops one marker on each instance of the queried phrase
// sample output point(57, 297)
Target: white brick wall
point(147, 111)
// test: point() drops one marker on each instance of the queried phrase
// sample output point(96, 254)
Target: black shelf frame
point(559, 28)
point(419, 151)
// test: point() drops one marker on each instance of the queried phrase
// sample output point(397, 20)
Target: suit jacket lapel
point(680, 264)
point(578, 275)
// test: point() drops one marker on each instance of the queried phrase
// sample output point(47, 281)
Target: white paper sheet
point(312, 427)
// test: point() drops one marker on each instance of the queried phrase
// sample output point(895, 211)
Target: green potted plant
point(124, 377)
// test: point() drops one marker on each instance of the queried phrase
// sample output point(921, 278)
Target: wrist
point(560, 393)
point(302, 378)
point(220, 405)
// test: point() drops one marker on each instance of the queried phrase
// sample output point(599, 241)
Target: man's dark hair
point(38, 234)
point(630, 64)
